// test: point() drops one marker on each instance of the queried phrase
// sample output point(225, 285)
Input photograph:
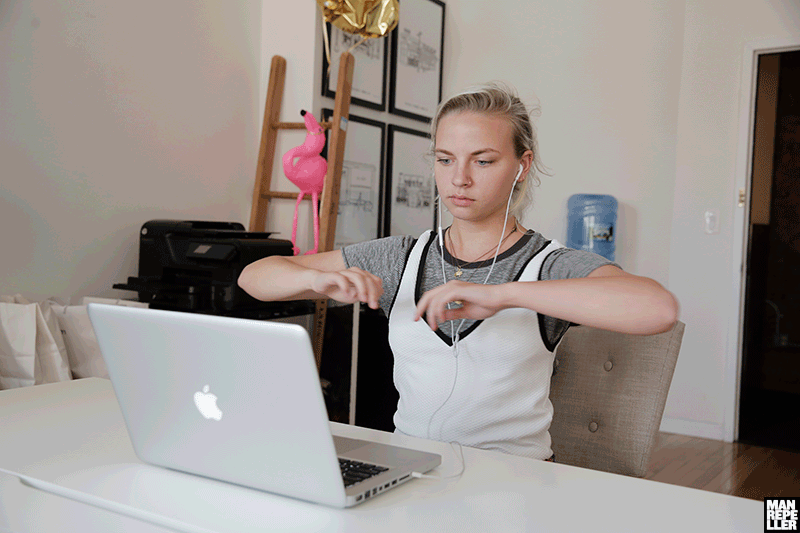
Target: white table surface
point(73, 433)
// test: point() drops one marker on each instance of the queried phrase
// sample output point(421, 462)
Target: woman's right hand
point(310, 277)
point(349, 286)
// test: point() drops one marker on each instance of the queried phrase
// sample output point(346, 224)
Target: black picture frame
point(410, 206)
point(369, 75)
point(417, 67)
point(361, 197)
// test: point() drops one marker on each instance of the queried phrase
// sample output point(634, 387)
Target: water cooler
point(591, 223)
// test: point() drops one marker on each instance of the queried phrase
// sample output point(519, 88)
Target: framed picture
point(411, 189)
point(360, 208)
point(417, 46)
point(369, 75)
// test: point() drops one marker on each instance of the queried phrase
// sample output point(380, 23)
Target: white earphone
point(439, 215)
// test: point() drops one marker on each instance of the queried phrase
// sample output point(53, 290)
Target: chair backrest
point(608, 392)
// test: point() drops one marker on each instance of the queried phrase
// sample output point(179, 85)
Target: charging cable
point(459, 455)
point(105, 504)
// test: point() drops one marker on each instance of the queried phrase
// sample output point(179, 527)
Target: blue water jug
point(591, 222)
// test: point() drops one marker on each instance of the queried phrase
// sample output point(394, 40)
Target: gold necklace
point(460, 272)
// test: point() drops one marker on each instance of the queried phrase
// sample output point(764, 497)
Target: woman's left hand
point(472, 301)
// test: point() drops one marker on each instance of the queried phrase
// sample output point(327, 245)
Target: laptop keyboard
point(354, 471)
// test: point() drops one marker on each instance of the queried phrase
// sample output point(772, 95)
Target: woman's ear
point(525, 162)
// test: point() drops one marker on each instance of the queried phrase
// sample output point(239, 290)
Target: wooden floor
point(729, 468)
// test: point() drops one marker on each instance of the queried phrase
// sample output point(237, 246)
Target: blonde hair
point(496, 98)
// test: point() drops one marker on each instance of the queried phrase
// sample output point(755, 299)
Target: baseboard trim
point(693, 428)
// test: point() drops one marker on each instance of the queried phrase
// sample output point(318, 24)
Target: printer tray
point(211, 298)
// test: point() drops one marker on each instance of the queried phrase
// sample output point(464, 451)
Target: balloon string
point(349, 50)
point(327, 47)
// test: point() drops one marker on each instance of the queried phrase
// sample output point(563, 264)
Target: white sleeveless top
point(494, 394)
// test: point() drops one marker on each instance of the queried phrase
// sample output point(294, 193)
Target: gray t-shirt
point(386, 258)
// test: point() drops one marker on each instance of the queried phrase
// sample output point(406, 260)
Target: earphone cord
point(456, 336)
point(452, 388)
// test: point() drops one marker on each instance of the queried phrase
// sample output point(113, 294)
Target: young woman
point(476, 310)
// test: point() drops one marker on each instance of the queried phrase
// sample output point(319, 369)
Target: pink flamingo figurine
point(308, 174)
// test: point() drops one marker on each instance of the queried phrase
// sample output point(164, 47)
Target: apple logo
point(207, 404)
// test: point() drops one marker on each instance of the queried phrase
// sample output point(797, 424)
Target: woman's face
point(475, 166)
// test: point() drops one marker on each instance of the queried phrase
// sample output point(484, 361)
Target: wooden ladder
point(263, 193)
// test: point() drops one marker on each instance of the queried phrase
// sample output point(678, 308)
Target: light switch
point(711, 219)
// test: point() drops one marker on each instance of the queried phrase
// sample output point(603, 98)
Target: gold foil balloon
point(368, 18)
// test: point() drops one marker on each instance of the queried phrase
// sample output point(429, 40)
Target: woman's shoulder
point(392, 242)
point(535, 241)
point(377, 249)
point(569, 263)
point(561, 262)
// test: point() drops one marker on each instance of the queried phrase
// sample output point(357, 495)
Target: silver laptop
point(239, 401)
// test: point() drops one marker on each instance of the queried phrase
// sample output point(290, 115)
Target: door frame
point(741, 221)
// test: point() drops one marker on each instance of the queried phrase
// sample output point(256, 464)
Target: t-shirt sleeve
point(385, 258)
point(567, 263)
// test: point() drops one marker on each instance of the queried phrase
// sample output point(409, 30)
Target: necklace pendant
point(458, 272)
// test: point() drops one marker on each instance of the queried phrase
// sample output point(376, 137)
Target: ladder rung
point(298, 125)
point(281, 194)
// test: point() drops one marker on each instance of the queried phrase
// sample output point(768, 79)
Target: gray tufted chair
point(608, 392)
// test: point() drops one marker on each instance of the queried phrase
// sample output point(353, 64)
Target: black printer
point(194, 265)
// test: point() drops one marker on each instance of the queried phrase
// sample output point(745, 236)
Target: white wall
point(608, 89)
point(114, 113)
point(293, 32)
point(702, 267)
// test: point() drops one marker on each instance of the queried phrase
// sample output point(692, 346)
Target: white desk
point(65, 430)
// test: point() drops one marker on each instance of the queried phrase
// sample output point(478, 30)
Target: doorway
point(770, 377)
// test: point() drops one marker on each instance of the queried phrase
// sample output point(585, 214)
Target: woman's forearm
point(310, 277)
point(278, 278)
point(628, 304)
